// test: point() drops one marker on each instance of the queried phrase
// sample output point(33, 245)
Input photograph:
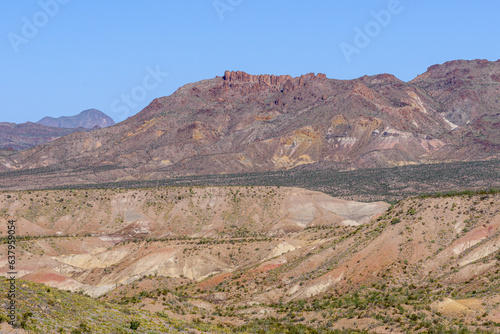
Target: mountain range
point(17, 137)
point(241, 123)
point(87, 119)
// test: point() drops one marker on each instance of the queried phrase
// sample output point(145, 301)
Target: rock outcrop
point(269, 79)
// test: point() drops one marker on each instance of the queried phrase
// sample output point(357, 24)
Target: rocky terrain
point(250, 259)
point(241, 123)
point(87, 119)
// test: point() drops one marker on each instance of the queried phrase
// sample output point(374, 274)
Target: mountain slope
point(468, 97)
point(87, 119)
point(255, 123)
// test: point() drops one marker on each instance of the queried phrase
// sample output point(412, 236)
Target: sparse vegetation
point(361, 184)
point(399, 272)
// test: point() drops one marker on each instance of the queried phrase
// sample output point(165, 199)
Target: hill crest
point(87, 119)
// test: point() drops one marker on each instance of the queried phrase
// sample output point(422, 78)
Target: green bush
point(394, 221)
point(134, 324)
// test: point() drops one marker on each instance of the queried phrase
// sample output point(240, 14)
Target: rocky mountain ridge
point(241, 123)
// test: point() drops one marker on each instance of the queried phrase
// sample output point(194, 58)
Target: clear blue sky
point(90, 54)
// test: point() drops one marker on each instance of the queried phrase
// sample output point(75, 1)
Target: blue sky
point(59, 57)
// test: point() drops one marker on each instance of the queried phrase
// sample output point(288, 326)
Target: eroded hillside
point(271, 258)
point(96, 239)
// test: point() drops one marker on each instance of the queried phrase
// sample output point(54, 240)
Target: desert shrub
point(82, 328)
point(394, 221)
point(134, 325)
